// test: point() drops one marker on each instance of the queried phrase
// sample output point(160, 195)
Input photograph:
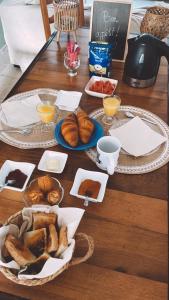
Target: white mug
point(108, 149)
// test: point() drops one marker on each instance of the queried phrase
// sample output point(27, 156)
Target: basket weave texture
point(66, 15)
point(156, 22)
point(75, 261)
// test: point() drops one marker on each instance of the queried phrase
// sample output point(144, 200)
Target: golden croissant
point(86, 127)
point(69, 130)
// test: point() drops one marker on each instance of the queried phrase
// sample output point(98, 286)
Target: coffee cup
point(108, 149)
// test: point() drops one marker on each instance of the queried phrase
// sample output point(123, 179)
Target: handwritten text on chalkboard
point(110, 24)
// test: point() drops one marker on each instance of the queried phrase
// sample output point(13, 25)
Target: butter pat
point(53, 164)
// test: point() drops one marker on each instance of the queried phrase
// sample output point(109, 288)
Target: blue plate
point(97, 134)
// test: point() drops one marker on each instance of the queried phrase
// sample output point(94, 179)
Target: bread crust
point(53, 242)
point(36, 241)
point(63, 240)
point(43, 220)
point(20, 253)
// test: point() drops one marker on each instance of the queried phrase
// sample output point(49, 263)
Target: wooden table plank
point(88, 282)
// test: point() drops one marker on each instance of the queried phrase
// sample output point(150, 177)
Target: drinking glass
point(47, 113)
point(71, 63)
point(111, 105)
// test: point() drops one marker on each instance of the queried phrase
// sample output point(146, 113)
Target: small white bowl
point(81, 175)
point(92, 80)
point(61, 157)
point(9, 165)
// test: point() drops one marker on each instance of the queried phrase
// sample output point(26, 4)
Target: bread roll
point(63, 240)
point(36, 241)
point(86, 126)
point(69, 130)
point(52, 239)
point(42, 220)
point(45, 183)
point(20, 253)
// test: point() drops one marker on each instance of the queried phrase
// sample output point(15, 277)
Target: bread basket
point(14, 219)
point(156, 22)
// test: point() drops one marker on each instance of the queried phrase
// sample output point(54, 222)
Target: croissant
point(86, 126)
point(69, 130)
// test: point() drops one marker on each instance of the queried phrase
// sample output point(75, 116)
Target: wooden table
point(130, 227)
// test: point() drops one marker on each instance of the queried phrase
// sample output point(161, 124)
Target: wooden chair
point(46, 19)
point(49, 20)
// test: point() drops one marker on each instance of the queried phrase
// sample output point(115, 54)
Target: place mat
point(127, 163)
point(41, 136)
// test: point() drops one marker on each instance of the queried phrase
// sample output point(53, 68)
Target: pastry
point(53, 197)
point(43, 220)
point(86, 126)
point(63, 240)
point(20, 253)
point(36, 241)
point(89, 188)
point(35, 196)
point(45, 183)
point(52, 239)
point(69, 130)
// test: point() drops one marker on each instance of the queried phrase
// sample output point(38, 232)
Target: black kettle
point(143, 60)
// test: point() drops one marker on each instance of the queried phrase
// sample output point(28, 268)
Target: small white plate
point(81, 175)
point(97, 78)
point(49, 155)
point(9, 165)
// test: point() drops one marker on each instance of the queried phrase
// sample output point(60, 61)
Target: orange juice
point(111, 105)
point(46, 112)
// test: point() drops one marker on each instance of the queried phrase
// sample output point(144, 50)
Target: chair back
point(46, 19)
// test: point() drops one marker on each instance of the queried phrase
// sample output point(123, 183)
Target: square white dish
point(93, 79)
point(53, 155)
point(9, 165)
point(81, 175)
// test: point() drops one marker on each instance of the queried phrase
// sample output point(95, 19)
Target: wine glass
point(111, 105)
point(71, 63)
point(47, 114)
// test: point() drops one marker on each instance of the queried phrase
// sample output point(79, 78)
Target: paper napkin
point(67, 100)
point(21, 112)
point(137, 138)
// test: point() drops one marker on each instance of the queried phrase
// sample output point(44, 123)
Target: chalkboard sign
point(110, 23)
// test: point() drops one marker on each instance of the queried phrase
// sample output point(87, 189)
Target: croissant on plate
point(86, 126)
point(69, 130)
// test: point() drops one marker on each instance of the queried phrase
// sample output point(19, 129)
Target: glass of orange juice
point(111, 105)
point(47, 112)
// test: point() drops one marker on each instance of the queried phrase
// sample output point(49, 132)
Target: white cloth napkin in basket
point(68, 100)
point(20, 112)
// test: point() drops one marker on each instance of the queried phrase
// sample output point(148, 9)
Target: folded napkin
point(67, 100)
point(137, 138)
point(21, 112)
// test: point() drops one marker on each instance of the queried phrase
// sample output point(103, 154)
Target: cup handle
point(110, 166)
point(108, 163)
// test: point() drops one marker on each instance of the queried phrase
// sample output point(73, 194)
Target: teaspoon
point(5, 184)
point(131, 115)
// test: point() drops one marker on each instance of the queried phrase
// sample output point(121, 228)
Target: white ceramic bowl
point(92, 80)
point(81, 175)
point(9, 165)
point(61, 157)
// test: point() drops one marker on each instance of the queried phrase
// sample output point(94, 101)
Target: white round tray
point(39, 137)
point(128, 164)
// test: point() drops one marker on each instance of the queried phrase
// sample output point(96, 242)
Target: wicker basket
point(66, 16)
point(14, 219)
point(156, 22)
